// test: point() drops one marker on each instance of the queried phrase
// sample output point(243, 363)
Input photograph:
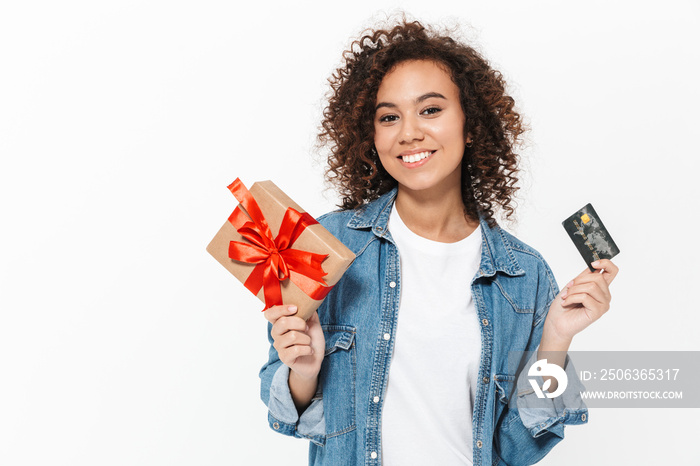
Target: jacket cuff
point(283, 416)
point(542, 415)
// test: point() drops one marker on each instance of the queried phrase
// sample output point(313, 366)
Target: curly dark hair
point(489, 166)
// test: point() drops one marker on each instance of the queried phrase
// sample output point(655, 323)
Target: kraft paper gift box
point(298, 265)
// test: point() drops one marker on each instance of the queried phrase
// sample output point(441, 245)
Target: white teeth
point(415, 157)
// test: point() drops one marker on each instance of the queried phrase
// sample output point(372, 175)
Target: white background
point(121, 124)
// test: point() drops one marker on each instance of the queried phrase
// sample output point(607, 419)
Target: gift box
point(277, 250)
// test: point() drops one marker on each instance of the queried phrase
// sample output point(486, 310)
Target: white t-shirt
point(428, 405)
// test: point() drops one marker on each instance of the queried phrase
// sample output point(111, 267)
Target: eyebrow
point(417, 101)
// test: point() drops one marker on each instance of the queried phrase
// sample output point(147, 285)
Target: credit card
point(590, 236)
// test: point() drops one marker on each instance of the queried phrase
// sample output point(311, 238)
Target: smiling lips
point(414, 158)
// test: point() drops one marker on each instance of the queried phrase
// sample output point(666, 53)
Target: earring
point(470, 144)
point(374, 152)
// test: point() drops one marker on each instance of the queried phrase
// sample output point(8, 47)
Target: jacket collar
point(496, 252)
point(375, 214)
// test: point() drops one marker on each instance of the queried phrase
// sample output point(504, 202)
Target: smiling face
point(419, 126)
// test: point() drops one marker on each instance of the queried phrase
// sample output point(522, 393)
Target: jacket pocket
point(504, 415)
point(337, 379)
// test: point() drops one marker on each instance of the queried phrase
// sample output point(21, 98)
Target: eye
point(388, 118)
point(431, 111)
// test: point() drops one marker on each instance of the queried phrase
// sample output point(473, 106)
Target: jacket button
point(485, 380)
point(583, 417)
point(376, 400)
point(387, 336)
point(485, 321)
point(392, 285)
point(479, 444)
point(373, 455)
point(276, 426)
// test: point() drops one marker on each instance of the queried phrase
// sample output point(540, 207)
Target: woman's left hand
point(582, 301)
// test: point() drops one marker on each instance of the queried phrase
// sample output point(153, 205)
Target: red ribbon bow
point(276, 260)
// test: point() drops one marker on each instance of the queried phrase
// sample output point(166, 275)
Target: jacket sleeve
point(525, 438)
point(282, 414)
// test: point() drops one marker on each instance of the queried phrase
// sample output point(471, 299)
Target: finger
point(592, 279)
point(275, 312)
point(587, 276)
point(287, 323)
point(297, 351)
point(591, 289)
point(587, 301)
point(608, 268)
point(292, 338)
point(290, 355)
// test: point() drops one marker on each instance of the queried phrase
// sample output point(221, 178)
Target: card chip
point(585, 218)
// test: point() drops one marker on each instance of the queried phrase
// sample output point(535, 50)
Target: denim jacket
point(512, 292)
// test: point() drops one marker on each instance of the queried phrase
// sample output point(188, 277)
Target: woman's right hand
point(300, 344)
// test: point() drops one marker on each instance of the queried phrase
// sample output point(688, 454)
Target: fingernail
point(570, 284)
point(292, 308)
point(307, 328)
point(595, 264)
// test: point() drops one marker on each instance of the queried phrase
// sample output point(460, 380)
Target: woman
point(406, 361)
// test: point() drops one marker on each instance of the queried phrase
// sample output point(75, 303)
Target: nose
point(411, 130)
